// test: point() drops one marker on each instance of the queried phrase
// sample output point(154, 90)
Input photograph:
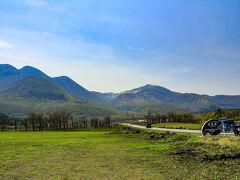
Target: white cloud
point(4, 44)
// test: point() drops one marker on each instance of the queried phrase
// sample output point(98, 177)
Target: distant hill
point(227, 102)
point(163, 99)
point(108, 97)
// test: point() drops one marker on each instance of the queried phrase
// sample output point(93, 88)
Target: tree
point(59, 120)
point(15, 122)
point(157, 117)
point(149, 117)
point(163, 118)
point(219, 113)
point(4, 119)
point(36, 120)
point(25, 123)
point(107, 121)
point(83, 122)
point(94, 122)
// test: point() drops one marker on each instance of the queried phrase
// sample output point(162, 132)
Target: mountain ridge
point(21, 83)
point(63, 82)
point(153, 94)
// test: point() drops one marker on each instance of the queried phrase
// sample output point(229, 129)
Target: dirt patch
point(205, 152)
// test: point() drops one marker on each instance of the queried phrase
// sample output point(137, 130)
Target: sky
point(116, 45)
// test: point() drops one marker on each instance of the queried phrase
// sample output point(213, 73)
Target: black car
point(148, 125)
point(217, 126)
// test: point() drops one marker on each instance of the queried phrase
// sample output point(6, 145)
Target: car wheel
point(205, 133)
point(236, 132)
point(214, 133)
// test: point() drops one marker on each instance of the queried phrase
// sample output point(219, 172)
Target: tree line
point(231, 114)
point(178, 117)
point(182, 117)
point(56, 121)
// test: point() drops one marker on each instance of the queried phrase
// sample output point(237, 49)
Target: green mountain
point(29, 89)
point(36, 89)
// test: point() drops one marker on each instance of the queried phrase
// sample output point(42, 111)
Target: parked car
point(217, 126)
point(148, 125)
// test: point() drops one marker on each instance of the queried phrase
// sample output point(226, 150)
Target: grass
point(179, 126)
point(114, 154)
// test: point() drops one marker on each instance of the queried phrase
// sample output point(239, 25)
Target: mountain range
point(27, 89)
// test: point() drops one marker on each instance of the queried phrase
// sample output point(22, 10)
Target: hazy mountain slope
point(8, 75)
point(35, 88)
point(20, 108)
point(146, 94)
point(159, 95)
point(150, 94)
point(109, 97)
point(228, 102)
point(39, 94)
point(71, 87)
point(15, 108)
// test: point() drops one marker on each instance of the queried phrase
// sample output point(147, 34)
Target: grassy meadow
point(178, 126)
point(123, 153)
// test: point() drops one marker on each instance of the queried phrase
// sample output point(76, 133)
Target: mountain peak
point(8, 74)
point(29, 68)
point(6, 66)
point(148, 88)
point(65, 78)
point(27, 71)
point(153, 86)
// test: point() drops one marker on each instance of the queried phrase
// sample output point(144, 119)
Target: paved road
point(165, 129)
point(173, 130)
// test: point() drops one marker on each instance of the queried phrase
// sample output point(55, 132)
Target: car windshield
point(229, 122)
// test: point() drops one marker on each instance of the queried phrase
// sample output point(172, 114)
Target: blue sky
point(116, 45)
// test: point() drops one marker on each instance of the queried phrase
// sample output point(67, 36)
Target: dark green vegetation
point(28, 89)
point(117, 154)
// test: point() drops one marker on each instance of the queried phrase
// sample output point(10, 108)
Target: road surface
point(165, 129)
point(173, 130)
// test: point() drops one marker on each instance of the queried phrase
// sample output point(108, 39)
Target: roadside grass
point(122, 153)
point(178, 126)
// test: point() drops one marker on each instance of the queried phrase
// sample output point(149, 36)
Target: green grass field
point(179, 126)
point(115, 154)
